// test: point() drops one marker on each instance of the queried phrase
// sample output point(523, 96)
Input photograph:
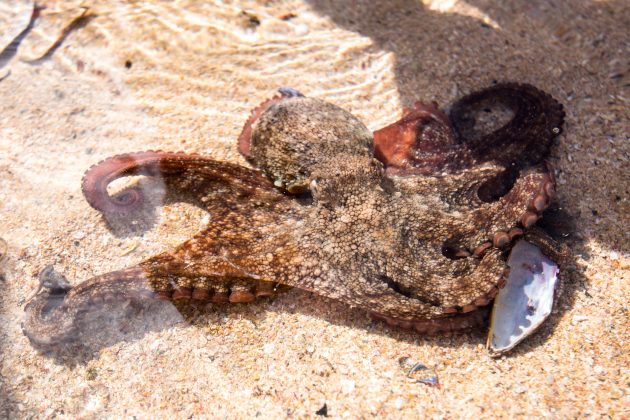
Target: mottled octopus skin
point(412, 224)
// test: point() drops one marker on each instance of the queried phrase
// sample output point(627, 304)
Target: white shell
point(525, 301)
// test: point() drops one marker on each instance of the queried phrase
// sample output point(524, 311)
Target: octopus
point(412, 223)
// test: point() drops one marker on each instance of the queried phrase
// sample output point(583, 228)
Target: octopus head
point(297, 134)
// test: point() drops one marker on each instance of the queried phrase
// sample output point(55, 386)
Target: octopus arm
point(235, 259)
point(422, 142)
point(221, 264)
point(202, 176)
point(499, 220)
point(525, 139)
point(52, 316)
point(425, 141)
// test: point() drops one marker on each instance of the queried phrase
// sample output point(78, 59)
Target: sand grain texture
point(183, 75)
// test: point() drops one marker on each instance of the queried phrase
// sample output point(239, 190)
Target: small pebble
point(268, 348)
point(79, 234)
point(519, 388)
point(347, 386)
point(417, 372)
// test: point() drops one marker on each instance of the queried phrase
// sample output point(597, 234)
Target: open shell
point(525, 301)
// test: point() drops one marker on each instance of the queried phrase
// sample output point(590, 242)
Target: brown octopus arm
point(219, 264)
point(197, 172)
point(525, 139)
point(425, 151)
point(426, 141)
point(52, 316)
point(421, 142)
point(477, 224)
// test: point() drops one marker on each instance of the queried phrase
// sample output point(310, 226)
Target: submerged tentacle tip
point(123, 203)
point(97, 178)
point(44, 324)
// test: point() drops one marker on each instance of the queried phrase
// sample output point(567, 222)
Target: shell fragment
point(525, 301)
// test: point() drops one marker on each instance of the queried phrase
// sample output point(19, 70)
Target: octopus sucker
point(458, 322)
point(412, 223)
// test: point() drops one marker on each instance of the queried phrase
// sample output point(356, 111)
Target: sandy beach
point(184, 75)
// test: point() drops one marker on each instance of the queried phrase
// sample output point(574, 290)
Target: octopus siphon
point(412, 223)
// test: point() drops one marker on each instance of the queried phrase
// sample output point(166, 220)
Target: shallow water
point(178, 75)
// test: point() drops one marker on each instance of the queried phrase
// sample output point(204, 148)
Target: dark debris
point(322, 411)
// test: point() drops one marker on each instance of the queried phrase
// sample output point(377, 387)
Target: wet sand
point(183, 76)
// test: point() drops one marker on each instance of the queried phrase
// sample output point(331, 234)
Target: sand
point(183, 76)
